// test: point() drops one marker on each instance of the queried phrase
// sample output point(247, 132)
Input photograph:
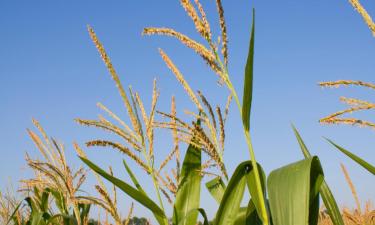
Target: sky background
point(51, 71)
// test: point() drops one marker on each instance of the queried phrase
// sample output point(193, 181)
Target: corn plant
point(289, 195)
point(10, 207)
point(54, 182)
point(106, 200)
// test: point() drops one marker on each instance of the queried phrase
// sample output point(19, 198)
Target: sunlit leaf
point(216, 187)
point(293, 192)
point(129, 190)
point(326, 193)
point(248, 83)
point(133, 178)
point(230, 203)
point(357, 159)
point(188, 193)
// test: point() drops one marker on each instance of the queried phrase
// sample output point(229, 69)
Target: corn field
point(295, 194)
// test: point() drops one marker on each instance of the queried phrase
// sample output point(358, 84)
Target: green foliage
point(138, 221)
point(288, 196)
point(355, 158)
point(293, 192)
point(216, 187)
point(129, 190)
point(248, 83)
point(188, 194)
point(229, 209)
point(325, 191)
point(41, 212)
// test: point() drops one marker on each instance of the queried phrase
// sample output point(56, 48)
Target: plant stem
point(77, 214)
point(258, 185)
point(157, 190)
point(151, 168)
point(259, 189)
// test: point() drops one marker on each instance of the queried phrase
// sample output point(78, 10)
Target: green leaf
point(54, 219)
point(230, 203)
point(251, 185)
point(204, 215)
point(252, 217)
point(129, 190)
point(188, 193)
point(293, 192)
point(325, 191)
point(44, 201)
point(248, 84)
point(199, 210)
point(216, 187)
point(84, 211)
point(37, 219)
point(59, 200)
point(241, 216)
point(357, 159)
point(67, 219)
point(248, 215)
point(31, 204)
point(133, 178)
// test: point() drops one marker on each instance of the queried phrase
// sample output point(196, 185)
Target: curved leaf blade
point(216, 187)
point(326, 193)
point(230, 204)
point(248, 215)
point(133, 178)
point(201, 211)
point(129, 190)
point(188, 193)
point(248, 83)
point(293, 192)
point(251, 185)
point(354, 157)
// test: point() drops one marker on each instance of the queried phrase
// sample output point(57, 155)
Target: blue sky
point(50, 70)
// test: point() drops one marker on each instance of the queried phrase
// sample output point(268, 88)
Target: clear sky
point(50, 70)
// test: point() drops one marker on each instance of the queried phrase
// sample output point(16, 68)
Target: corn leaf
point(241, 216)
point(248, 84)
point(216, 187)
point(188, 193)
point(133, 178)
point(68, 219)
point(251, 185)
point(44, 201)
point(37, 219)
point(55, 219)
point(293, 192)
point(248, 215)
point(199, 210)
point(59, 200)
point(230, 203)
point(357, 159)
point(129, 190)
point(326, 193)
point(252, 216)
point(84, 212)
